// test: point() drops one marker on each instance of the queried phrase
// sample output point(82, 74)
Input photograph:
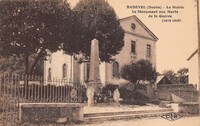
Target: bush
point(141, 70)
point(106, 94)
point(131, 96)
point(109, 87)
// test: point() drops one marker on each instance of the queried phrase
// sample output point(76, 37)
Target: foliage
point(171, 75)
point(28, 27)
point(97, 19)
point(182, 71)
point(183, 75)
point(36, 27)
point(135, 72)
point(177, 77)
point(105, 94)
point(11, 64)
point(131, 97)
point(15, 64)
point(109, 87)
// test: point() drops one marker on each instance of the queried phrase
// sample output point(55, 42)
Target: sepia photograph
point(99, 63)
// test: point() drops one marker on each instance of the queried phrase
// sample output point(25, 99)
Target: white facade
point(139, 43)
point(193, 69)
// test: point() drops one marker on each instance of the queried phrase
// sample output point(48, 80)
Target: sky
point(177, 40)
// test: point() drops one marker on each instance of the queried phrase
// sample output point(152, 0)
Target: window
point(133, 47)
point(64, 69)
point(115, 69)
point(148, 50)
point(49, 74)
point(87, 70)
point(133, 26)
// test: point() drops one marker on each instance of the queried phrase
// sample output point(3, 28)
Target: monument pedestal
point(93, 88)
point(90, 95)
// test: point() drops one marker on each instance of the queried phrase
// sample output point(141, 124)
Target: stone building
point(139, 43)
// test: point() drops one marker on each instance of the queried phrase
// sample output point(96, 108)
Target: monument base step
point(106, 116)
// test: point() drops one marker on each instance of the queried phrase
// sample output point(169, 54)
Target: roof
point(142, 24)
point(159, 78)
point(162, 80)
point(190, 57)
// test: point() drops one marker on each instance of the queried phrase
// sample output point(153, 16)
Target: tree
point(179, 77)
point(135, 72)
point(16, 65)
point(171, 75)
point(182, 74)
point(11, 64)
point(97, 19)
point(182, 71)
point(34, 27)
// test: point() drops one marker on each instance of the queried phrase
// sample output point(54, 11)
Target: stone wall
point(149, 91)
point(189, 107)
point(185, 91)
point(51, 112)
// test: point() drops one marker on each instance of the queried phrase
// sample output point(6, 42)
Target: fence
point(15, 89)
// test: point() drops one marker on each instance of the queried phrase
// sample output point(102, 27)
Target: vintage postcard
point(99, 62)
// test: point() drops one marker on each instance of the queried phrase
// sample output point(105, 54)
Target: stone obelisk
point(94, 75)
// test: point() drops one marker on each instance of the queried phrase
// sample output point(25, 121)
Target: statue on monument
point(116, 96)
